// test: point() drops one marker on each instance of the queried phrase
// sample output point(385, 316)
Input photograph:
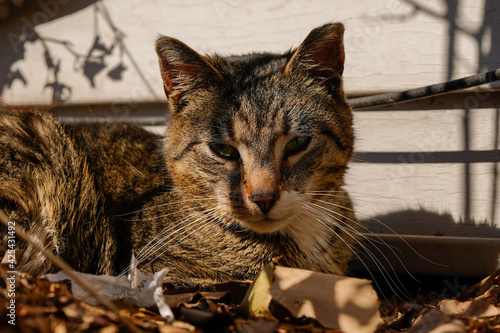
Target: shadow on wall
point(487, 38)
point(426, 223)
point(488, 55)
point(21, 29)
point(445, 252)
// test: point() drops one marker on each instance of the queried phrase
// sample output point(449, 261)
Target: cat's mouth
point(264, 225)
point(276, 218)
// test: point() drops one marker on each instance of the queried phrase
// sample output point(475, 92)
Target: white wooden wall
point(429, 166)
point(439, 166)
point(391, 44)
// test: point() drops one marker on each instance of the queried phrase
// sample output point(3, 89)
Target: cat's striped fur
point(251, 169)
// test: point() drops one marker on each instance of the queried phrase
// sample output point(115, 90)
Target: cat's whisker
point(377, 239)
point(339, 196)
point(159, 216)
point(339, 223)
point(178, 189)
point(207, 222)
point(195, 217)
point(335, 233)
point(162, 243)
point(165, 230)
point(140, 257)
point(148, 251)
point(211, 218)
point(326, 192)
point(342, 226)
point(317, 212)
point(384, 225)
point(167, 204)
point(331, 211)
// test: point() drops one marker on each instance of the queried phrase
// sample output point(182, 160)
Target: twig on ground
point(70, 271)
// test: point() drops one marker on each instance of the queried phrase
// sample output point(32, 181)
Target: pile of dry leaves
point(475, 309)
point(42, 306)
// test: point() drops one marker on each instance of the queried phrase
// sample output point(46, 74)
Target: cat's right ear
point(321, 56)
point(183, 70)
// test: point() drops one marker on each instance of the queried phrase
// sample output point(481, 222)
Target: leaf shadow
point(106, 53)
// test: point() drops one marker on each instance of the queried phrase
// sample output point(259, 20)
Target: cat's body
point(250, 170)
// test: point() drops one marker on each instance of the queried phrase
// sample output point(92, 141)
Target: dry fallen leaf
point(348, 304)
point(136, 288)
point(258, 297)
point(176, 329)
point(42, 306)
point(474, 308)
point(436, 321)
point(344, 303)
point(479, 289)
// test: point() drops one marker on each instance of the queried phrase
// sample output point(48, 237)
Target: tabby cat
point(250, 169)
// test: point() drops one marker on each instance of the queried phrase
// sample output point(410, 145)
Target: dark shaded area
point(414, 252)
point(447, 286)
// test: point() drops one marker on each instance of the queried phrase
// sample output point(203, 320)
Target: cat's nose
point(264, 202)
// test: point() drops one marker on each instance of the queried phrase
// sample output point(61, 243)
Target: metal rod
point(433, 90)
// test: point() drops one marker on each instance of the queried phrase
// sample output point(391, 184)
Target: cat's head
point(250, 135)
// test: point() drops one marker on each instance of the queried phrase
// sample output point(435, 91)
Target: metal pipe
point(433, 90)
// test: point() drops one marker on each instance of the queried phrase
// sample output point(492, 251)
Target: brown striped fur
point(94, 193)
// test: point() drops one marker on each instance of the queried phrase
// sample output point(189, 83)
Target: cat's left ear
point(321, 55)
point(183, 70)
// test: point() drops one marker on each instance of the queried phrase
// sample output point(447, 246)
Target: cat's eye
point(297, 145)
point(225, 151)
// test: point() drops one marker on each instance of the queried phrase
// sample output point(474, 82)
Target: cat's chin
point(265, 225)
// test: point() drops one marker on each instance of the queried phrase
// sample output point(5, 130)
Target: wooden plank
point(390, 45)
point(439, 165)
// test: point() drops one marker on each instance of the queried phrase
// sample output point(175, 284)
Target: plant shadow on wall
point(467, 106)
point(487, 51)
point(104, 54)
